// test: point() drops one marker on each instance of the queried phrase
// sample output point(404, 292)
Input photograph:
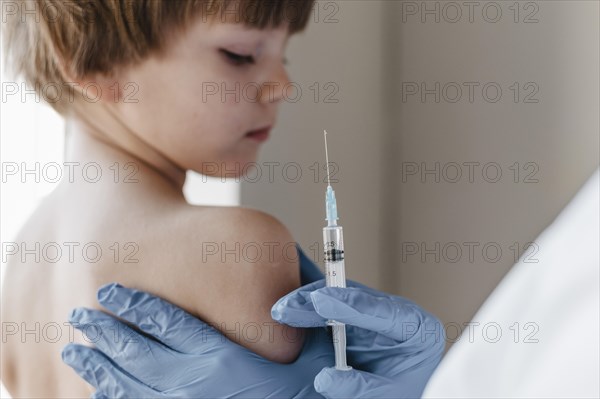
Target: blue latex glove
point(190, 359)
point(393, 345)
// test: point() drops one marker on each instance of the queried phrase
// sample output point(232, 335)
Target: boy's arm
point(232, 280)
point(261, 267)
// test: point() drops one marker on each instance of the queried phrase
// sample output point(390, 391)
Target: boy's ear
point(94, 88)
point(99, 88)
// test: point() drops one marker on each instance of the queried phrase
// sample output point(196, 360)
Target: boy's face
point(197, 102)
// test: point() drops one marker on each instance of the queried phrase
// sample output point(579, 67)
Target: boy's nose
point(277, 86)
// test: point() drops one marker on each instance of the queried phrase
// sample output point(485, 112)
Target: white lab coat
point(559, 297)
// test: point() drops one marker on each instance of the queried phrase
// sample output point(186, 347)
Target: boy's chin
point(229, 169)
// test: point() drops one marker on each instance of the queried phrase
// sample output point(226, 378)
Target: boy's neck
point(87, 142)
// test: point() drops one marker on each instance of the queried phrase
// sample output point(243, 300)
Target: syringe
point(335, 271)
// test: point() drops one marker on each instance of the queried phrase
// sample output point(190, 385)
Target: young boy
point(133, 77)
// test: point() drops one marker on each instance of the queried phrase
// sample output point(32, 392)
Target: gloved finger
point(333, 383)
point(387, 315)
point(98, 395)
point(91, 365)
point(296, 308)
point(125, 347)
point(115, 339)
point(160, 319)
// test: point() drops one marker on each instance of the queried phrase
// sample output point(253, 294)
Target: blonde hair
point(46, 40)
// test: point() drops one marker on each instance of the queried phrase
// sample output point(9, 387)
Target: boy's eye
point(237, 59)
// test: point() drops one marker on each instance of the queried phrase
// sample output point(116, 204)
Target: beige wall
point(558, 135)
point(376, 136)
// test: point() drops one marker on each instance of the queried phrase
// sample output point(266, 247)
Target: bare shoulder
point(249, 247)
point(228, 266)
point(236, 235)
point(251, 228)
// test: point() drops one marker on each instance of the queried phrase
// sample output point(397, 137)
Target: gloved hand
point(190, 359)
point(393, 345)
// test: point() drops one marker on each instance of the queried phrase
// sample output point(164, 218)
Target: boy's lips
point(259, 134)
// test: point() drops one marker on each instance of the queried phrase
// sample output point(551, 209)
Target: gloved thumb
point(333, 383)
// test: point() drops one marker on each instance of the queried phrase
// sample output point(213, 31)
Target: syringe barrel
point(333, 251)
point(335, 276)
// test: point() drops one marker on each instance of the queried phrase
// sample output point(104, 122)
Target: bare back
point(150, 241)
